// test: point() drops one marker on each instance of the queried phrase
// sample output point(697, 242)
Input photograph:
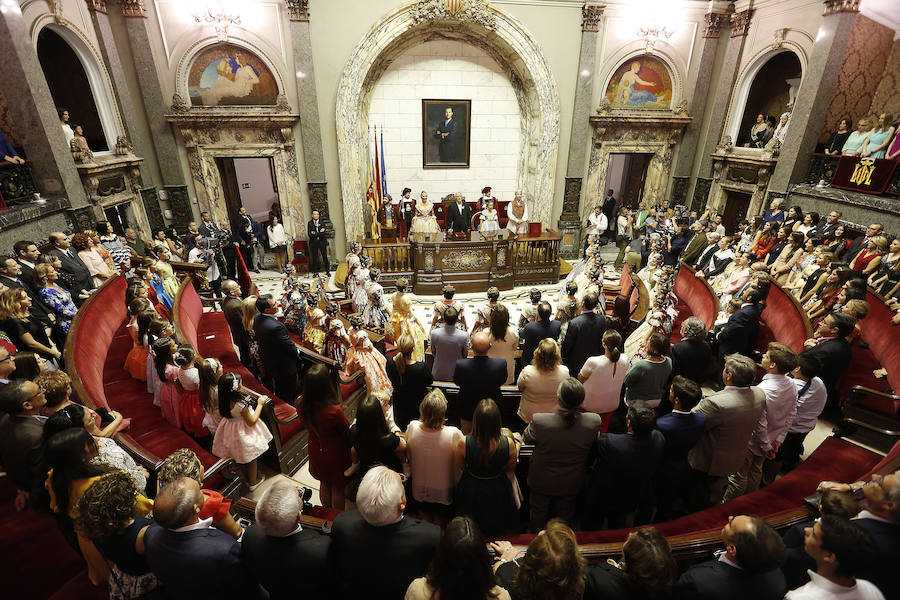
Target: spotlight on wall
point(217, 14)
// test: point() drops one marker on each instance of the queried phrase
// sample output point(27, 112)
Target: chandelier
point(653, 33)
point(215, 13)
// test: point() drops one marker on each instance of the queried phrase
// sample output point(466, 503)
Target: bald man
point(478, 378)
point(190, 557)
point(234, 315)
point(74, 272)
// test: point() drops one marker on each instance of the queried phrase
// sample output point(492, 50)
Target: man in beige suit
point(731, 416)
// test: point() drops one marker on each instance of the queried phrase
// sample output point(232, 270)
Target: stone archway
point(475, 22)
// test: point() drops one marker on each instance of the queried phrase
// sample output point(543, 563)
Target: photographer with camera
point(675, 244)
point(204, 253)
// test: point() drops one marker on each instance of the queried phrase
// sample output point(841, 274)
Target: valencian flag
point(379, 189)
point(384, 194)
point(370, 200)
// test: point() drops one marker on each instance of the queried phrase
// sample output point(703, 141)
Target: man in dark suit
point(533, 333)
point(190, 238)
point(562, 443)
point(234, 315)
point(20, 432)
point(289, 561)
point(10, 276)
point(7, 368)
point(318, 244)
point(682, 430)
point(446, 133)
point(826, 226)
point(459, 216)
point(208, 227)
point(376, 550)
point(831, 348)
point(478, 378)
point(79, 277)
point(250, 234)
point(861, 242)
point(748, 569)
point(739, 333)
point(276, 349)
point(625, 464)
point(712, 239)
point(27, 255)
point(190, 557)
point(691, 356)
point(584, 335)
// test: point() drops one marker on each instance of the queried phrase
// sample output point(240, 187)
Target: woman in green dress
point(164, 268)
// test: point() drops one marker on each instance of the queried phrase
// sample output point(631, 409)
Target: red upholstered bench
point(780, 503)
point(869, 402)
point(784, 319)
point(695, 299)
point(95, 353)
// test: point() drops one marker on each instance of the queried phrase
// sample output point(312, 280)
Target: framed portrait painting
point(446, 133)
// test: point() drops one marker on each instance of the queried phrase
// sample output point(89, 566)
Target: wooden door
point(736, 206)
point(633, 180)
point(230, 190)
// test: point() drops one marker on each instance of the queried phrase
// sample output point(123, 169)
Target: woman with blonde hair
point(539, 381)
point(255, 364)
point(504, 340)
point(23, 330)
point(404, 322)
point(603, 376)
point(56, 297)
point(429, 448)
point(552, 568)
point(92, 259)
point(410, 378)
point(868, 260)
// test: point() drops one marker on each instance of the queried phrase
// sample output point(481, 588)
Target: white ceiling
point(886, 12)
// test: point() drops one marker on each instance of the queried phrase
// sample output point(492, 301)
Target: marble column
point(580, 138)
point(138, 27)
point(740, 25)
point(310, 126)
point(814, 95)
point(34, 112)
point(698, 90)
point(124, 101)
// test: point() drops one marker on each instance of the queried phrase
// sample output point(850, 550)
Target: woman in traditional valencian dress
point(352, 261)
point(517, 214)
point(490, 220)
point(294, 307)
point(404, 321)
point(314, 334)
point(424, 222)
point(361, 277)
point(375, 314)
point(441, 307)
point(372, 362)
point(483, 313)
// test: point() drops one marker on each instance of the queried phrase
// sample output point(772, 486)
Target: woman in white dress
point(518, 215)
point(424, 222)
point(277, 242)
point(490, 220)
point(361, 278)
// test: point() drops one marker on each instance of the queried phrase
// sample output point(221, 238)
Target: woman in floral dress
point(368, 359)
point(352, 261)
point(336, 343)
point(164, 270)
point(294, 307)
point(375, 313)
point(58, 299)
point(360, 296)
point(441, 307)
point(403, 321)
point(314, 333)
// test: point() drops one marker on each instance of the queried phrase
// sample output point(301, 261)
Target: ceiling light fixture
point(215, 13)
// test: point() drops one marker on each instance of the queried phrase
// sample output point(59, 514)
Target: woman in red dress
point(868, 260)
point(320, 412)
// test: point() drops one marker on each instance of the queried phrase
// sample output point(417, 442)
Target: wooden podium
point(472, 263)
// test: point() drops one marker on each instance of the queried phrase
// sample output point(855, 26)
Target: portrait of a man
point(445, 133)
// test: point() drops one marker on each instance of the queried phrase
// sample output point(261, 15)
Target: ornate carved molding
point(298, 10)
point(714, 24)
point(476, 11)
point(779, 36)
point(740, 23)
point(178, 104)
point(133, 8)
point(97, 5)
point(833, 7)
point(590, 17)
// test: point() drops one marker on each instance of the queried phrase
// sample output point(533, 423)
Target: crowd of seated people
point(639, 424)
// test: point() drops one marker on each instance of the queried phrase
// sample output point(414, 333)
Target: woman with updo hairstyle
point(552, 568)
point(23, 330)
point(46, 278)
point(91, 258)
point(504, 341)
point(441, 307)
point(460, 569)
point(539, 381)
point(106, 516)
point(410, 379)
point(603, 376)
point(647, 570)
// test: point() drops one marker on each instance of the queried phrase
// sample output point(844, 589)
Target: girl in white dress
point(490, 220)
point(241, 435)
point(361, 276)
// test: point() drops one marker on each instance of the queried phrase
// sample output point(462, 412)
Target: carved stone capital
point(833, 7)
point(681, 108)
point(298, 10)
point(590, 17)
point(97, 5)
point(178, 104)
point(133, 8)
point(714, 24)
point(740, 23)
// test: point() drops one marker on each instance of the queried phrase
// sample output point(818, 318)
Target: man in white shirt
point(781, 406)
point(201, 256)
point(811, 398)
point(596, 224)
point(66, 128)
point(841, 550)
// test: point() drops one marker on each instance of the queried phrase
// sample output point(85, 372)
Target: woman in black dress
point(410, 380)
point(373, 443)
point(24, 331)
point(487, 459)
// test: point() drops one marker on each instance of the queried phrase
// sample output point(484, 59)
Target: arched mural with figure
point(228, 75)
point(640, 82)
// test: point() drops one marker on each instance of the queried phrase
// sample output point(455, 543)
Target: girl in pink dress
point(241, 435)
point(168, 392)
point(369, 360)
point(189, 408)
point(158, 329)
